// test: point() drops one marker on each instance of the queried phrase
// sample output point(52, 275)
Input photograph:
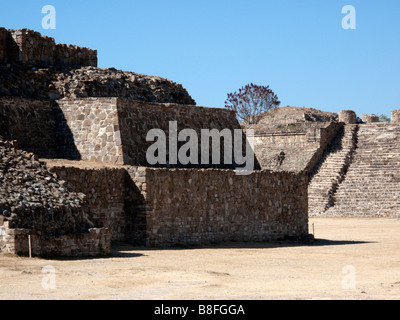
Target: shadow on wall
point(13, 52)
point(64, 138)
point(39, 126)
point(135, 209)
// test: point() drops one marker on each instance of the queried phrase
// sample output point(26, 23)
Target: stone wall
point(326, 135)
point(102, 117)
point(105, 193)
point(114, 130)
point(370, 118)
point(268, 147)
point(31, 197)
point(41, 127)
point(289, 115)
point(293, 138)
point(166, 207)
point(190, 207)
point(116, 196)
point(31, 123)
point(3, 45)
point(35, 50)
point(93, 123)
point(136, 119)
point(396, 116)
point(303, 145)
point(135, 205)
point(33, 201)
point(35, 66)
point(95, 242)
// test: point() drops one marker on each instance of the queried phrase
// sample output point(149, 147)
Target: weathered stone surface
point(282, 132)
point(190, 207)
point(58, 83)
point(97, 241)
point(104, 189)
point(136, 119)
point(396, 116)
point(371, 185)
point(31, 123)
point(292, 119)
point(34, 66)
point(34, 202)
point(331, 170)
point(91, 138)
point(370, 118)
point(166, 207)
point(108, 130)
point(3, 45)
point(359, 174)
point(347, 117)
point(103, 116)
point(32, 49)
point(33, 198)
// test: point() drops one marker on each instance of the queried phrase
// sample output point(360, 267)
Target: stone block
point(370, 118)
point(347, 117)
point(396, 116)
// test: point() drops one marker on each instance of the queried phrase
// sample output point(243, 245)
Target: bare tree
point(251, 101)
point(384, 118)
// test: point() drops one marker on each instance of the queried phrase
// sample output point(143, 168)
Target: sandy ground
point(353, 259)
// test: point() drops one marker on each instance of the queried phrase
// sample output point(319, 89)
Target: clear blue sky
point(213, 47)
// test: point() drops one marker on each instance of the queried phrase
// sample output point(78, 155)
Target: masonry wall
point(136, 119)
point(3, 45)
point(105, 193)
point(135, 205)
point(324, 136)
point(297, 148)
point(93, 123)
point(95, 242)
point(370, 118)
point(115, 196)
point(36, 50)
point(114, 130)
point(302, 147)
point(31, 123)
point(166, 207)
point(189, 207)
point(106, 130)
point(395, 116)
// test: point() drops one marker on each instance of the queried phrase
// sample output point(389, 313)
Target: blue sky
point(298, 48)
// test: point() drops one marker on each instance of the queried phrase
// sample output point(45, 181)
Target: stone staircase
point(331, 170)
point(372, 183)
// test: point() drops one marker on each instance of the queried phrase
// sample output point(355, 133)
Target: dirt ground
point(352, 259)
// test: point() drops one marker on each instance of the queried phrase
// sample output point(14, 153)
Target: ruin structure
point(82, 132)
point(353, 168)
point(74, 175)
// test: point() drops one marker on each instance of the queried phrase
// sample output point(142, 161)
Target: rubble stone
point(60, 82)
point(31, 197)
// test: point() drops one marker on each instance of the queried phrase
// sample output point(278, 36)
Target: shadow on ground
point(125, 250)
point(118, 250)
point(243, 245)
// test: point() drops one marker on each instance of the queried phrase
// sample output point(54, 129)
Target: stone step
point(372, 183)
point(329, 171)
